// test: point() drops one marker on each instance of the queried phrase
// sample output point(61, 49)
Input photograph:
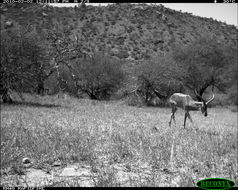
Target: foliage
point(99, 76)
point(204, 62)
point(63, 36)
point(64, 52)
point(39, 57)
point(96, 75)
point(146, 21)
point(25, 61)
point(231, 78)
point(158, 77)
point(18, 49)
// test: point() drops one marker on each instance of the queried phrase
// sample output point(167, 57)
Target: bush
point(134, 100)
point(205, 63)
point(99, 76)
point(159, 77)
point(23, 61)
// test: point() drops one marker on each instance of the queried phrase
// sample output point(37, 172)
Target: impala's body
point(186, 102)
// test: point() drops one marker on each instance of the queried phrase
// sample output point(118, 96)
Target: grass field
point(118, 145)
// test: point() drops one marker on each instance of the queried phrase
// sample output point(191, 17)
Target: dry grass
point(121, 145)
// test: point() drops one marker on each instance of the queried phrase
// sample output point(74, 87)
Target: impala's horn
point(211, 99)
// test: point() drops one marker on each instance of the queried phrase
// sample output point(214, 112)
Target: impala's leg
point(185, 118)
point(174, 109)
point(170, 120)
point(189, 117)
point(171, 115)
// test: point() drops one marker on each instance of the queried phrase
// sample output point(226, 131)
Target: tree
point(231, 79)
point(25, 62)
point(204, 62)
point(41, 67)
point(96, 75)
point(15, 63)
point(158, 77)
point(65, 50)
point(99, 76)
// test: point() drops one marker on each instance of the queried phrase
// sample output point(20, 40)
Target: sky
point(225, 12)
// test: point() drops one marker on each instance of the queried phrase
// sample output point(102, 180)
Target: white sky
point(225, 12)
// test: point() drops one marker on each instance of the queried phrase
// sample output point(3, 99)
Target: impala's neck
point(194, 106)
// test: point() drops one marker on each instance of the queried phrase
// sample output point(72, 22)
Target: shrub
point(158, 77)
point(99, 76)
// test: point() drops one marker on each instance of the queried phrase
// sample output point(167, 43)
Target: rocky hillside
point(127, 31)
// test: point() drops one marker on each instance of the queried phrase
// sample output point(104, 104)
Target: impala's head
point(204, 103)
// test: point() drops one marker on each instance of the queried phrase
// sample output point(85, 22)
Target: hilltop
point(127, 31)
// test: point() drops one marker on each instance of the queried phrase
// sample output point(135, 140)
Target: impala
point(186, 102)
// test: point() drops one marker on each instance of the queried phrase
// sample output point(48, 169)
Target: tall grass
point(118, 142)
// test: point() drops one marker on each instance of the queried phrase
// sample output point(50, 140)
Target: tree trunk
point(92, 96)
point(6, 98)
point(40, 88)
point(147, 97)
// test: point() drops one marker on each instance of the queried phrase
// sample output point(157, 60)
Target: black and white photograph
point(118, 95)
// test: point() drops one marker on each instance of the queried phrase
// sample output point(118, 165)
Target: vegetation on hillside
point(162, 50)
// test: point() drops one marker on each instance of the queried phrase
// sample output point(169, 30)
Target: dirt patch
point(77, 175)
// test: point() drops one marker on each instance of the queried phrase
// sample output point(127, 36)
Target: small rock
point(26, 160)
point(44, 14)
point(57, 163)
point(8, 24)
point(155, 128)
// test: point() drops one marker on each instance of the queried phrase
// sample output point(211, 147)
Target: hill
point(134, 34)
point(127, 31)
